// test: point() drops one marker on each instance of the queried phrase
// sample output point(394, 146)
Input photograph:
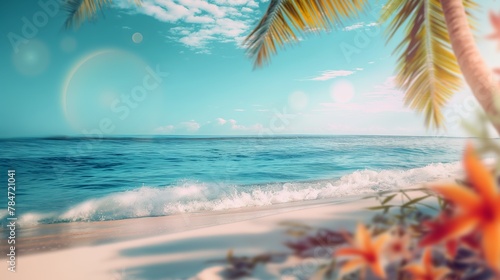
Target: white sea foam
point(195, 196)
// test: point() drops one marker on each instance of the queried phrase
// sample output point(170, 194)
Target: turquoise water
point(78, 179)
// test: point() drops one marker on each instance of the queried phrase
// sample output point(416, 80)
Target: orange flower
point(364, 252)
point(426, 270)
point(476, 209)
point(439, 224)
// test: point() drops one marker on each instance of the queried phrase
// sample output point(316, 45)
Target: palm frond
point(471, 6)
point(427, 68)
point(286, 20)
point(82, 10)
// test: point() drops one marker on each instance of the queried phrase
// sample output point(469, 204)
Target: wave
point(188, 196)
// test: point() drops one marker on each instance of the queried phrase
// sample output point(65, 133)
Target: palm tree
point(438, 44)
point(81, 10)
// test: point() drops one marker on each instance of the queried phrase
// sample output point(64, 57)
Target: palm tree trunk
point(477, 74)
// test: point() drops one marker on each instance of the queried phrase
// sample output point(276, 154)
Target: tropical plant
point(82, 10)
point(437, 45)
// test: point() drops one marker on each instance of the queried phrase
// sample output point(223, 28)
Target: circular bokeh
point(137, 37)
point(114, 89)
point(68, 44)
point(342, 91)
point(32, 58)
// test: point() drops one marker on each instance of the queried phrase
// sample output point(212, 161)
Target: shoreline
point(142, 248)
point(52, 237)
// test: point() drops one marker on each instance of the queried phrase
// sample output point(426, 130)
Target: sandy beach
point(173, 247)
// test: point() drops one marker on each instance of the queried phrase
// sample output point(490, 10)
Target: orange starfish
point(364, 252)
point(476, 210)
point(495, 21)
point(426, 270)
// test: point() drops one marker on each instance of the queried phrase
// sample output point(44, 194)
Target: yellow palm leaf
point(81, 10)
point(427, 68)
point(286, 20)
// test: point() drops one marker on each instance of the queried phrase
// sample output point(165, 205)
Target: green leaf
point(427, 69)
point(380, 207)
point(413, 201)
point(286, 21)
point(389, 198)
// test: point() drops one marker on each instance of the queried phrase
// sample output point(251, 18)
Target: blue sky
point(176, 67)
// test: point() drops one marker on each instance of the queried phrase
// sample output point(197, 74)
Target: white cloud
point(359, 25)
point(253, 128)
point(199, 19)
point(388, 87)
point(204, 21)
point(232, 2)
point(191, 126)
point(331, 74)
point(219, 125)
point(239, 110)
point(221, 121)
point(165, 129)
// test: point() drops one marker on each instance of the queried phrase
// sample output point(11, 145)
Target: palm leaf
point(82, 10)
point(286, 20)
point(470, 7)
point(427, 68)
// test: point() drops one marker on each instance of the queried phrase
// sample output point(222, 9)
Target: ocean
point(79, 179)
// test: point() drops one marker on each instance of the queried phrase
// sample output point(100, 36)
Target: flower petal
point(416, 270)
point(451, 248)
point(462, 197)
point(362, 237)
point(349, 252)
point(427, 260)
point(378, 269)
point(381, 241)
point(350, 267)
point(479, 176)
point(491, 244)
point(440, 273)
point(453, 228)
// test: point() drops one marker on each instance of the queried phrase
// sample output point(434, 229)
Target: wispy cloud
point(332, 74)
point(359, 25)
point(239, 110)
point(201, 22)
point(252, 128)
point(387, 88)
point(219, 125)
point(165, 129)
point(221, 121)
point(190, 126)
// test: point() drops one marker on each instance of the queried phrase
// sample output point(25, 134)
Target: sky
point(177, 67)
